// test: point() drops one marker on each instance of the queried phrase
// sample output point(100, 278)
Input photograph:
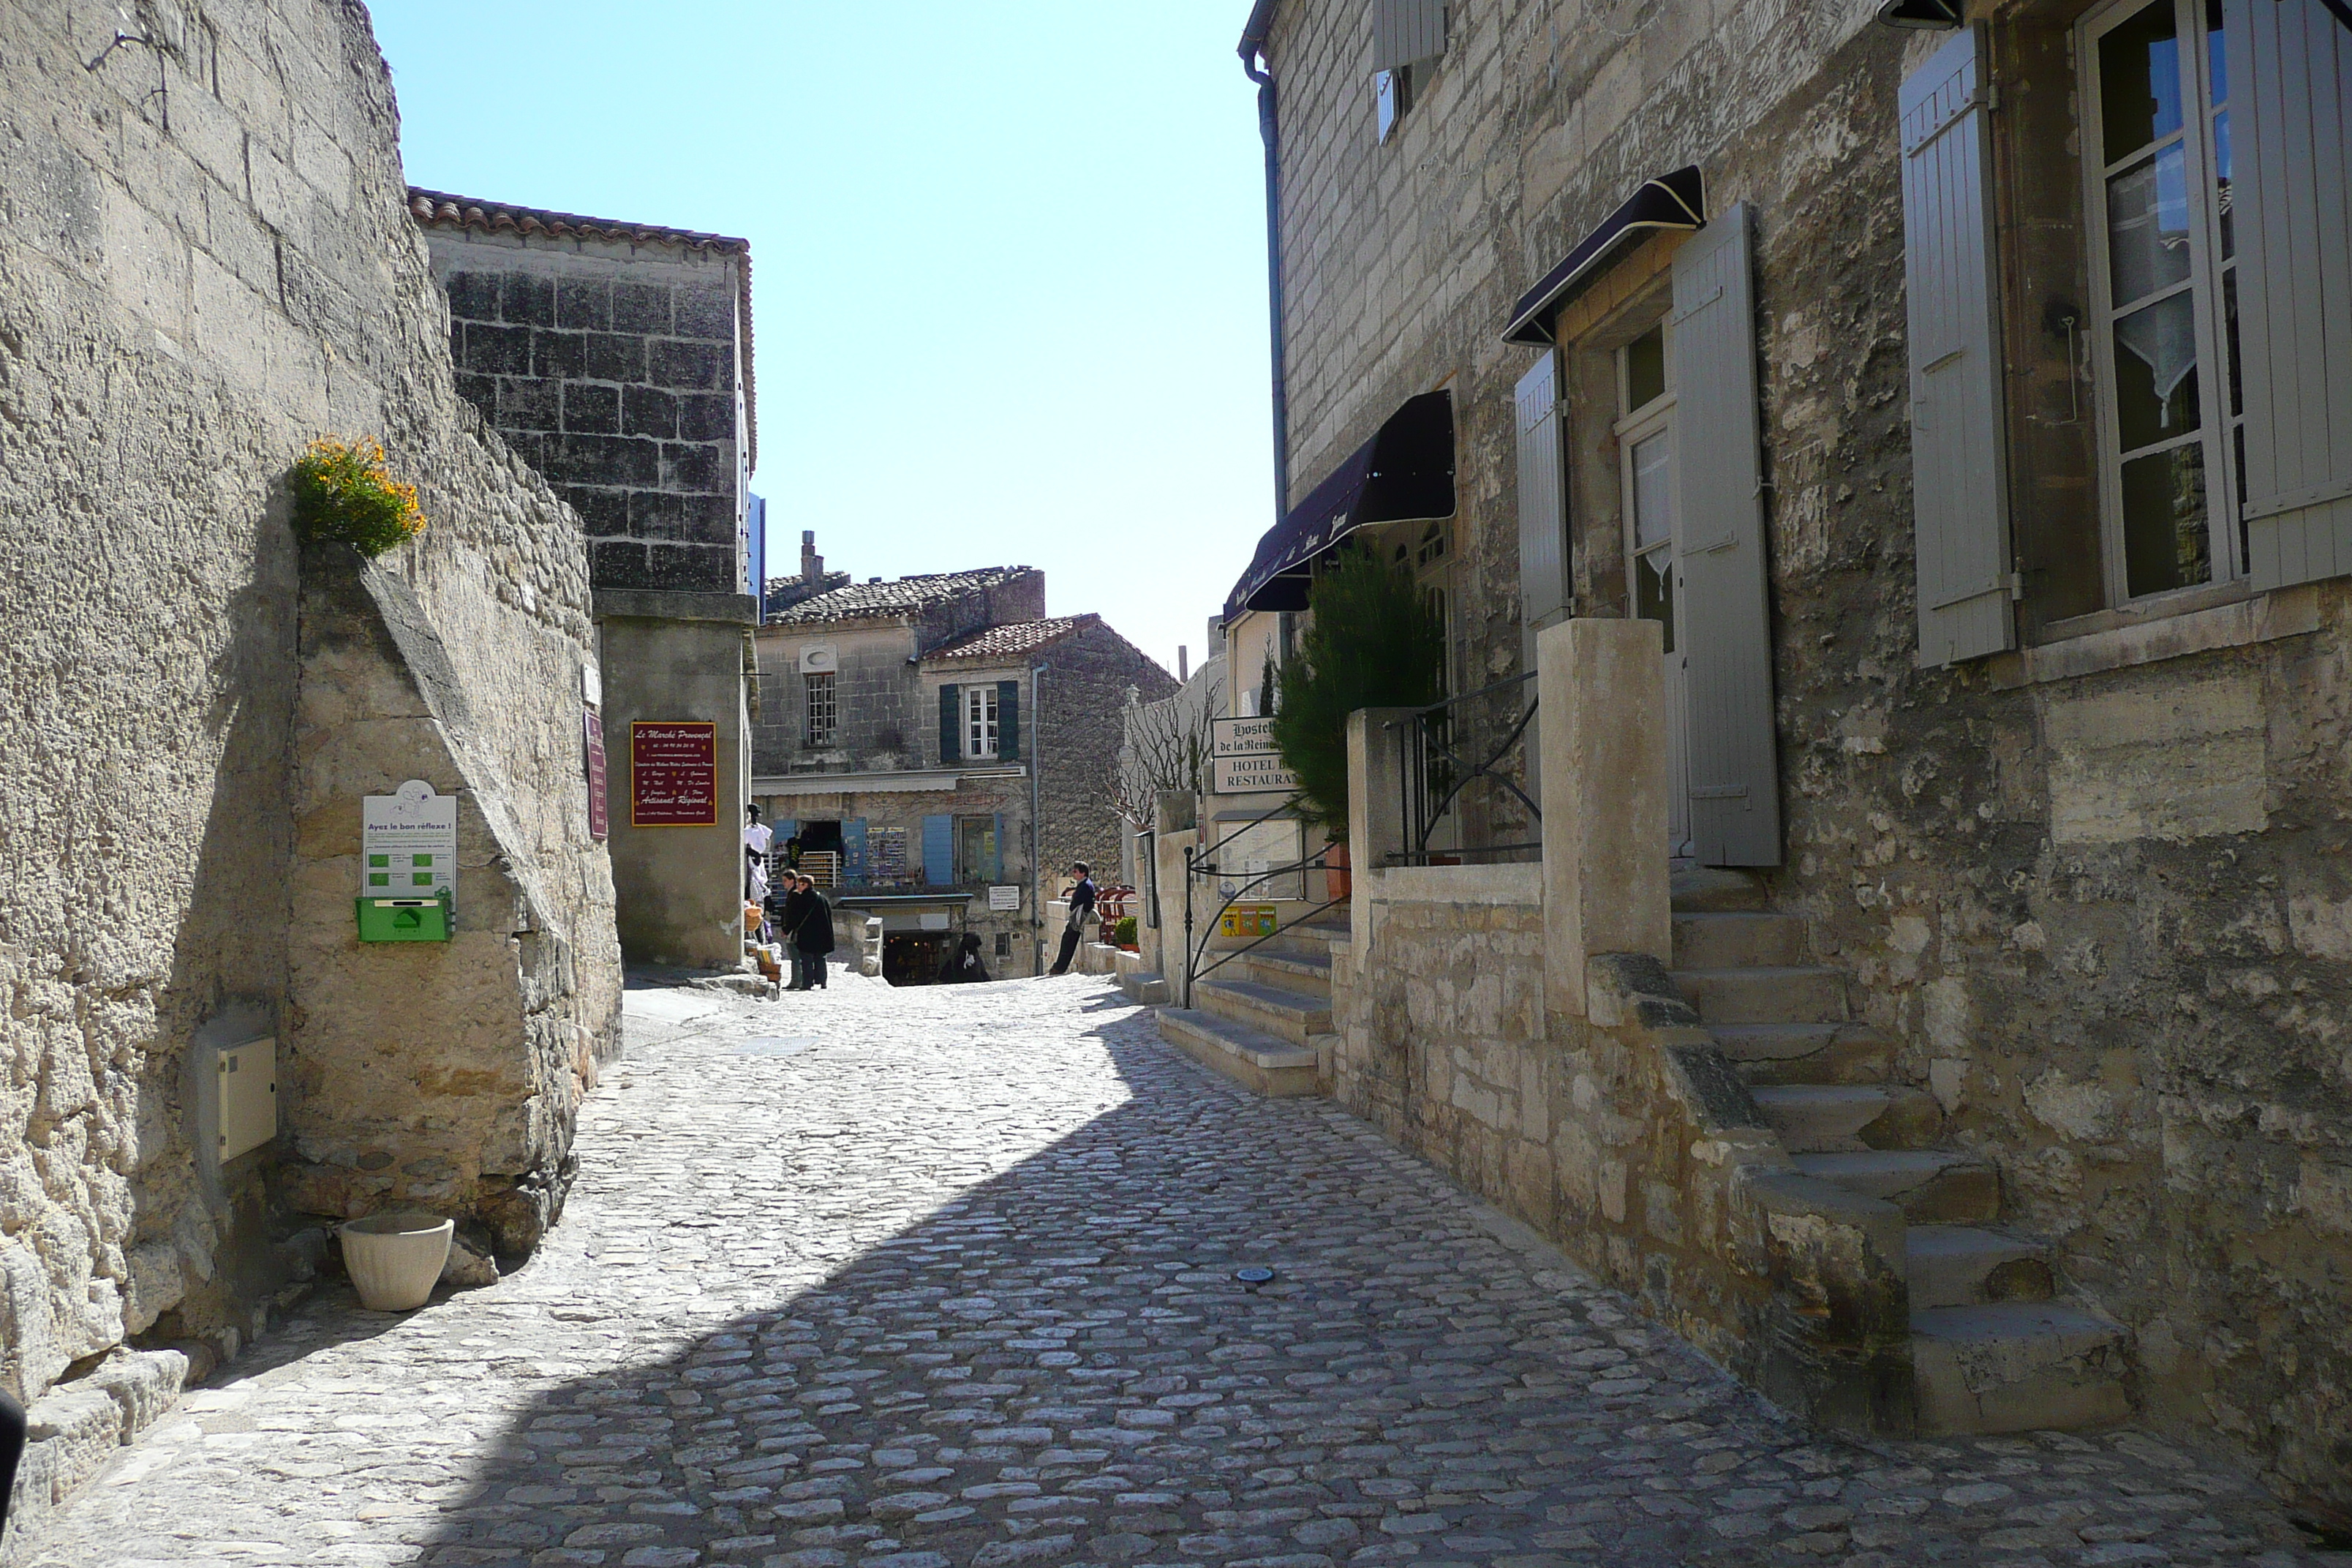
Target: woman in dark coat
point(964, 963)
point(812, 938)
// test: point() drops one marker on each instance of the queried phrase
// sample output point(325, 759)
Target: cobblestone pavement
point(934, 1277)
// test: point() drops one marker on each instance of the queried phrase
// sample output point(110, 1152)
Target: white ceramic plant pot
point(395, 1259)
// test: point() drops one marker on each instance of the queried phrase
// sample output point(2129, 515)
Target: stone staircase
point(1991, 1348)
point(1263, 1018)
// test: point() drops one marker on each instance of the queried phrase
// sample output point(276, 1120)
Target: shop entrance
point(916, 957)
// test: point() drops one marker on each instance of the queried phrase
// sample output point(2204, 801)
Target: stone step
point(1932, 1187)
point(1249, 1056)
point(1960, 1266)
point(1807, 1053)
point(2016, 1366)
point(1737, 940)
point(1711, 888)
point(1292, 1015)
point(1144, 986)
point(1814, 1119)
point(1307, 972)
point(1785, 993)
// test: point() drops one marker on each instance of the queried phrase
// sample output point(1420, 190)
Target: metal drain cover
point(1254, 1276)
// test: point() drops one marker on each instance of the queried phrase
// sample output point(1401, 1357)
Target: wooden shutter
point(1404, 31)
point(1543, 494)
point(2290, 66)
point(1959, 486)
point(1008, 721)
point(939, 851)
point(950, 726)
point(1735, 792)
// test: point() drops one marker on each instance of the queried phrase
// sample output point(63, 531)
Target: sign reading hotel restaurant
point(1243, 760)
point(673, 773)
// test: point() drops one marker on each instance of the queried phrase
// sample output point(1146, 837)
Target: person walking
point(1082, 904)
point(786, 918)
point(963, 965)
point(758, 838)
point(812, 939)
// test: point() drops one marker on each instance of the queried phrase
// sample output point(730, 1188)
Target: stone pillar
point(1601, 709)
point(1375, 801)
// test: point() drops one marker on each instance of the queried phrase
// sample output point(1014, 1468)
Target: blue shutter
point(939, 851)
point(1008, 721)
point(853, 851)
point(996, 861)
point(951, 743)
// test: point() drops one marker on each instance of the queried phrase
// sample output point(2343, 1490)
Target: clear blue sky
point(1009, 265)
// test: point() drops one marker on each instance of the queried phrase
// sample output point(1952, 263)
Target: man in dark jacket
point(1082, 904)
point(812, 939)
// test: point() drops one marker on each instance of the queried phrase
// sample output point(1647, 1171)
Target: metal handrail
point(1415, 764)
point(1201, 863)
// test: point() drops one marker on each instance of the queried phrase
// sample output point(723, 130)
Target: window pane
point(2139, 82)
point(2148, 225)
point(1653, 515)
point(2229, 330)
point(1654, 590)
point(2217, 59)
point(1646, 369)
point(2224, 198)
point(2164, 544)
point(2155, 373)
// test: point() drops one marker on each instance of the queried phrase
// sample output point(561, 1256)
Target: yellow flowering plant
point(343, 492)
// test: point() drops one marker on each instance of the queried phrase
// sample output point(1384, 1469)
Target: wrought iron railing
point(1203, 864)
point(1455, 759)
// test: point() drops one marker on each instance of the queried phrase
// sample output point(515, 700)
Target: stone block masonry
point(195, 283)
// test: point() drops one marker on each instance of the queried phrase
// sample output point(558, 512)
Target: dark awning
point(1671, 201)
point(1404, 473)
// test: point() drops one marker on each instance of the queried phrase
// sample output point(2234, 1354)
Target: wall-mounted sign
point(673, 773)
point(1247, 775)
point(600, 817)
point(408, 843)
point(1251, 737)
point(817, 659)
point(592, 684)
point(1002, 899)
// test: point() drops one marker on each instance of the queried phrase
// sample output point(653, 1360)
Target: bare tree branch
point(1166, 748)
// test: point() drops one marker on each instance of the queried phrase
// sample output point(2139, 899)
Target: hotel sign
point(1243, 759)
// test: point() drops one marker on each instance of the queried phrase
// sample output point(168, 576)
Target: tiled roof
point(441, 209)
point(1013, 641)
point(898, 597)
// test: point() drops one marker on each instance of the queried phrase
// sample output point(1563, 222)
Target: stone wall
point(1078, 738)
point(194, 282)
point(2096, 891)
point(616, 369)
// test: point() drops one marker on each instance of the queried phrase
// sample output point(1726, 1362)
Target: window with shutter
point(1716, 468)
point(1406, 34)
point(1008, 721)
point(2281, 83)
point(939, 851)
point(980, 712)
point(1959, 486)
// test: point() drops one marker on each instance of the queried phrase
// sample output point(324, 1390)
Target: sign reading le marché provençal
point(1243, 759)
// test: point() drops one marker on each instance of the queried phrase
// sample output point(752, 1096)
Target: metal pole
point(1036, 866)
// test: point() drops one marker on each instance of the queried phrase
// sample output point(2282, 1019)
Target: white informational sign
point(1249, 854)
point(1243, 760)
point(934, 919)
point(408, 843)
point(592, 684)
point(1001, 899)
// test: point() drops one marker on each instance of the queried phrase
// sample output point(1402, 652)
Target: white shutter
point(1542, 497)
point(1735, 791)
point(1959, 482)
point(2290, 100)
point(1404, 31)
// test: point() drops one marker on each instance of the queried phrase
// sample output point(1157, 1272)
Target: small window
point(979, 722)
point(822, 713)
point(1004, 944)
point(1433, 545)
point(975, 850)
point(1642, 368)
point(1392, 92)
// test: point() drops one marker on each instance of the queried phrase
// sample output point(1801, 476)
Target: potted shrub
point(1371, 641)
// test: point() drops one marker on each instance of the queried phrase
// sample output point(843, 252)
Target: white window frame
point(821, 707)
point(980, 722)
point(1631, 428)
point(2225, 550)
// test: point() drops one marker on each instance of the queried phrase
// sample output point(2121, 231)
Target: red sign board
point(600, 821)
point(672, 775)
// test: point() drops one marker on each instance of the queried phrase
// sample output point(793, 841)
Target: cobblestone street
point(946, 1277)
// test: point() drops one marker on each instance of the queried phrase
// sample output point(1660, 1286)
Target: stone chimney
point(1183, 662)
point(812, 563)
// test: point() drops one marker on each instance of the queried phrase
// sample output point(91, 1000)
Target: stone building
point(617, 359)
point(1964, 408)
point(913, 730)
point(206, 264)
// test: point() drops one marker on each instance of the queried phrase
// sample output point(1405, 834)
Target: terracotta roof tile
point(1013, 641)
point(443, 209)
point(897, 596)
